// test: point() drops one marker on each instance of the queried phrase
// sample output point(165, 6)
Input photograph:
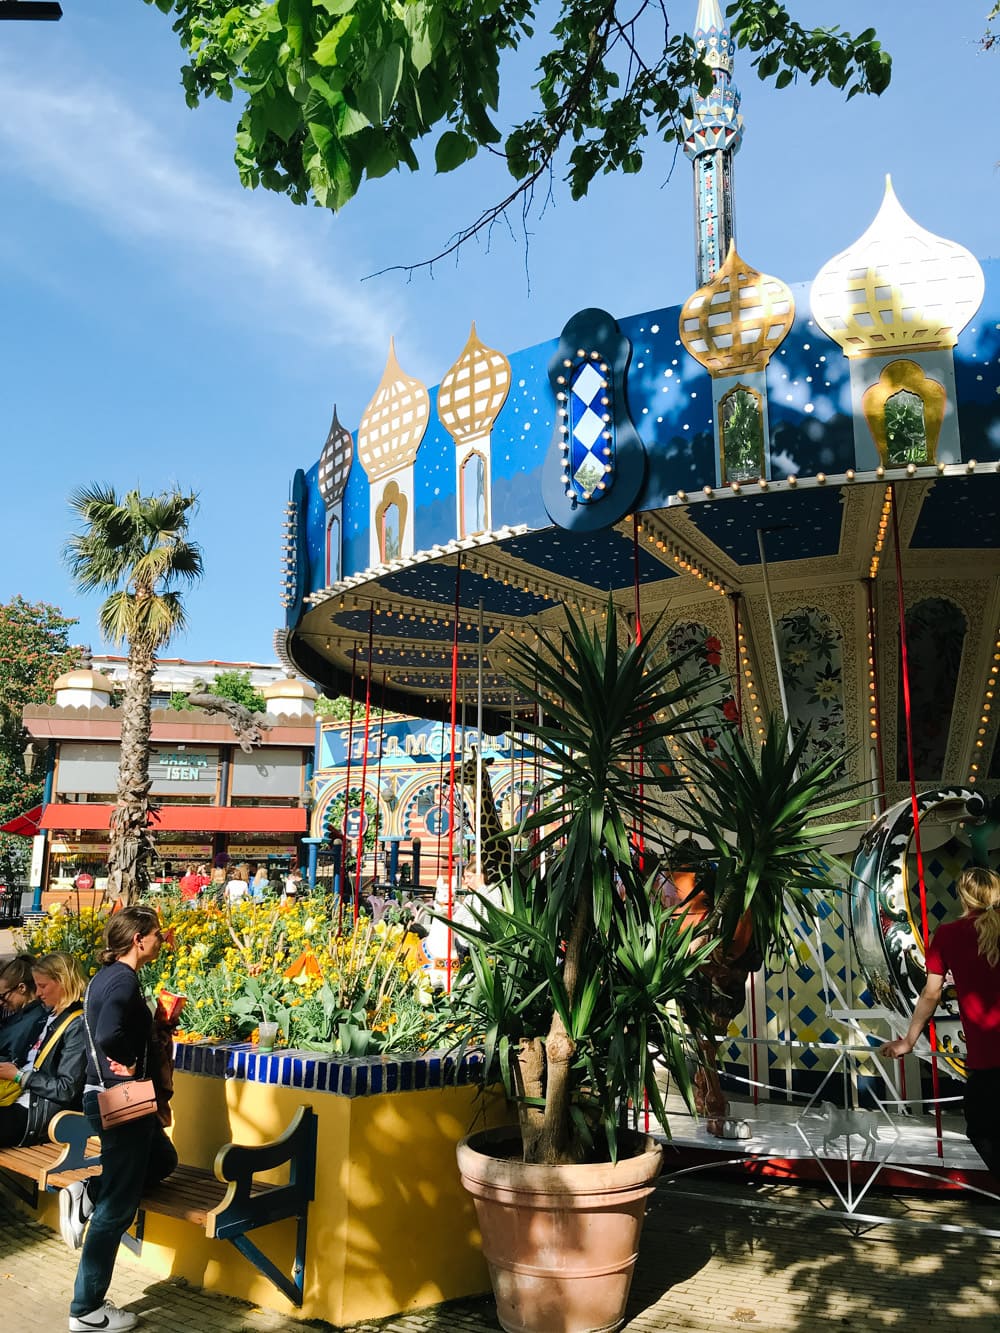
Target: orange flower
point(305, 966)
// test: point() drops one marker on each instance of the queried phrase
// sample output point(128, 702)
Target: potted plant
point(582, 984)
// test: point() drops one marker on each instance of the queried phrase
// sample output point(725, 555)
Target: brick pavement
point(705, 1267)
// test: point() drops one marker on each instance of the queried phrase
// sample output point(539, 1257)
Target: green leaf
point(375, 96)
point(453, 148)
point(327, 50)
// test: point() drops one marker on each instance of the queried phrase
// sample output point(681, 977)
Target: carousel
point(800, 482)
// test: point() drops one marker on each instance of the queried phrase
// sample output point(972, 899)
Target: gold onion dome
point(394, 421)
point(84, 678)
point(897, 287)
point(736, 321)
point(335, 462)
point(289, 688)
point(473, 391)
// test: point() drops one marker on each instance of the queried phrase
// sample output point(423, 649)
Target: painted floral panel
point(812, 665)
point(705, 666)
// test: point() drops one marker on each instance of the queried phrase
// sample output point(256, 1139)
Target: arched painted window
point(333, 554)
point(812, 669)
point(473, 495)
point(935, 635)
point(905, 428)
point(391, 520)
point(741, 417)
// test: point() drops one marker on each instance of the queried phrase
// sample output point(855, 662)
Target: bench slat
point(190, 1193)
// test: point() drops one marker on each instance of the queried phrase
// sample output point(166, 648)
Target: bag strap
point(90, 1039)
point(54, 1036)
point(90, 1042)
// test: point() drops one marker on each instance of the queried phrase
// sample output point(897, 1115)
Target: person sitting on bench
point(50, 1078)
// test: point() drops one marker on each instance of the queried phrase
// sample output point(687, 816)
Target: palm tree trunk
point(131, 844)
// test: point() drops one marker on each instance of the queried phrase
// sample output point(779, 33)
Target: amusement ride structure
point(801, 483)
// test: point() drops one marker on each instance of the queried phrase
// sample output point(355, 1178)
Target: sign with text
point(178, 768)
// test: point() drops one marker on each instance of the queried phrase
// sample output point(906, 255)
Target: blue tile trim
point(354, 1076)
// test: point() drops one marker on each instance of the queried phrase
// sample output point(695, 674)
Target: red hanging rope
point(378, 780)
point(364, 768)
point(451, 774)
point(921, 884)
point(637, 759)
point(347, 798)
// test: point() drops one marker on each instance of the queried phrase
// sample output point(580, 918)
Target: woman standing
point(969, 949)
point(25, 1011)
point(51, 1074)
point(135, 1155)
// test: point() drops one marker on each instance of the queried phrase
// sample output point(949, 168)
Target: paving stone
point(705, 1267)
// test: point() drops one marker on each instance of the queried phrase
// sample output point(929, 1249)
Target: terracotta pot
point(561, 1241)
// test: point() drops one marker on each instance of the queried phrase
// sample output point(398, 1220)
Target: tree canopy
point(34, 651)
point(339, 91)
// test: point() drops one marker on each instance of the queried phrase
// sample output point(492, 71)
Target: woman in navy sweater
point(135, 1155)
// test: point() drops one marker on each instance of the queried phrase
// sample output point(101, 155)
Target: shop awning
point(185, 818)
point(24, 826)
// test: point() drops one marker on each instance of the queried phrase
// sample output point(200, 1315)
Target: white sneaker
point(108, 1318)
point(75, 1207)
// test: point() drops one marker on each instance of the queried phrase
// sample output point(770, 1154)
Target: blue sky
point(159, 324)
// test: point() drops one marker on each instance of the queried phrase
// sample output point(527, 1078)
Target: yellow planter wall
point(390, 1228)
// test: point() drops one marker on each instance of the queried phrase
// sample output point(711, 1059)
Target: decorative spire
point(898, 287)
point(335, 462)
point(394, 421)
point(714, 134)
point(474, 390)
point(738, 320)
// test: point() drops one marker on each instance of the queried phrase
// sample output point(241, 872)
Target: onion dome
point(289, 688)
point(473, 391)
point(290, 698)
point(84, 678)
point(394, 421)
point(738, 320)
point(897, 287)
point(335, 462)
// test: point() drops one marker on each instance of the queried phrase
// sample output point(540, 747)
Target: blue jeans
point(134, 1157)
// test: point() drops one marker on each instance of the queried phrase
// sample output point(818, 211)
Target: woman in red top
point(969, 949)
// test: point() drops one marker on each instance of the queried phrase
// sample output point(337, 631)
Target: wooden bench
point(226, 1203)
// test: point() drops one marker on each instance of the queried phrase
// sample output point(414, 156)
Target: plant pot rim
point(479, 1160)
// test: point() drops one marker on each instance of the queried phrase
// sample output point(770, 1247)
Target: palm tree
point(135, 549)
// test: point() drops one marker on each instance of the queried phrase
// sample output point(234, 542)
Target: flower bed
point(332, 986)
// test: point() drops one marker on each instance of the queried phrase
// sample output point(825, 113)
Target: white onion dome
point(473, 391)
point(738, 320)
point(335, 462)
point(84, 678)
point(394, 421)
point(897, 287)
point(289, 688)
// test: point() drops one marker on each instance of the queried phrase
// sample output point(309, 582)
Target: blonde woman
point(969, 949)
point(51, 1075)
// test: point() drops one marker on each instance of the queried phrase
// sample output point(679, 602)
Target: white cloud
point(89, 148)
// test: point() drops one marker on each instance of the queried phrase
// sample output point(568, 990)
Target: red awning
point(185, 818)
point(26, 825)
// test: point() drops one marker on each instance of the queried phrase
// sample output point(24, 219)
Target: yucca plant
point(578, 978)
point(762, 822)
